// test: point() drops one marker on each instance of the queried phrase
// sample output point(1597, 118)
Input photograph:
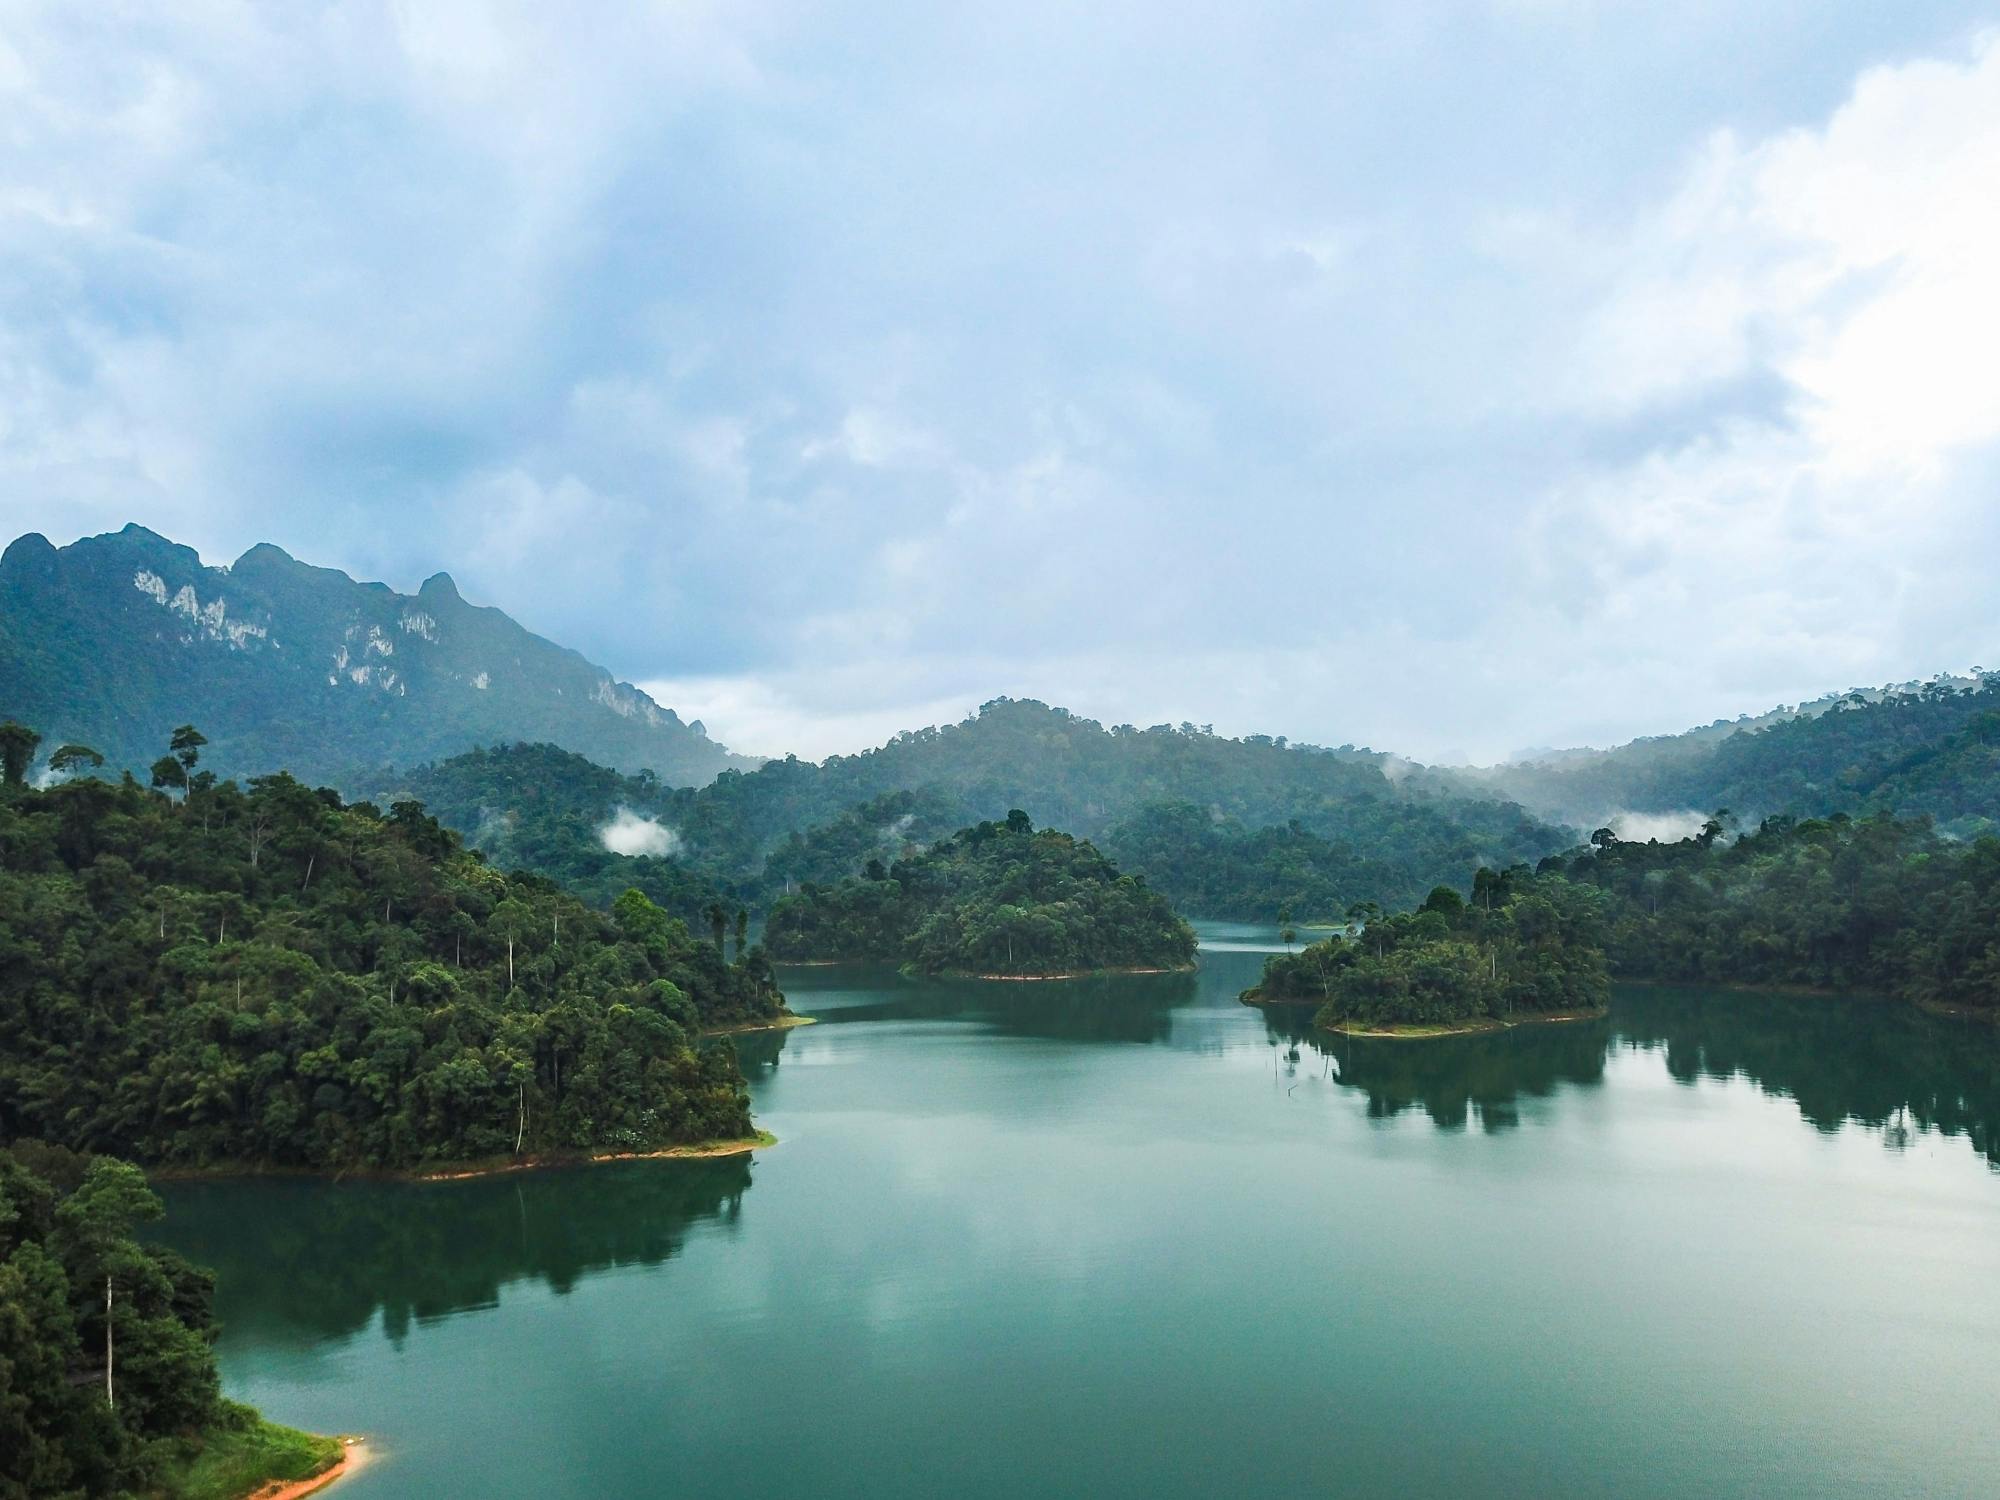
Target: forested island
point(108, 1384)
point(1877, 904)
point(1525, 947)
point(999, 900)
point(197, 974)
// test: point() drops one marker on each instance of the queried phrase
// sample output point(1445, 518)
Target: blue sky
point(1451, 377)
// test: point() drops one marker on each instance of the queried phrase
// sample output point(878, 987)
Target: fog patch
point(1667, 827)
point(634, 834)
point(1396, 770)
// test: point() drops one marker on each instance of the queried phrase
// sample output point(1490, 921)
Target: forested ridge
point(200, 972)
point(108, 1384)
point(1221, 826)
point(996, 898)
point(1932, 751)
point(1525, 944)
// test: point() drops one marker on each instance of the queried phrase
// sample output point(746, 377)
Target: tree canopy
point(263, 973)
point(1525, 944)
point(996, 898)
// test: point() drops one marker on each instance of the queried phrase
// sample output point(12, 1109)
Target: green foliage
point(1525, 943)
point(996, 898)
point(115, 639)
point(1932, 751)
point(1222, 826)
point(77, 1288)
point(264, 974)
point(1216, 866)
point(1875, 904)
point(17, 752)
point(240, 1453)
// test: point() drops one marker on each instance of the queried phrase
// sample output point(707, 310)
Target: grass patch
point(242, 1453)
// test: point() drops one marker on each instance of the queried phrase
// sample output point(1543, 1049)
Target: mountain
point(1366, 831)
point(115, 639)
point(1930, 748)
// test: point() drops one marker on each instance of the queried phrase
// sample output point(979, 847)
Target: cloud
point(1393, 375)
point(630, 833)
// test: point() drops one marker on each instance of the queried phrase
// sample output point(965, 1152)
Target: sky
point(1447, 376)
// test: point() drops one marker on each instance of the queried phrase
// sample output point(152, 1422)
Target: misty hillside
point(115, 639)
point(1348, 831)
point(1932, 749)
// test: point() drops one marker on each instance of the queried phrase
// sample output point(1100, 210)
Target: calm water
point(1128, 1238)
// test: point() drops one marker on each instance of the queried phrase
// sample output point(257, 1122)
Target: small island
point(1524, 949)
point(994, 901)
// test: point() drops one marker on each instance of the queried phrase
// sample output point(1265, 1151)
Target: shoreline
point(459, 1171)
point(783, 1023)
point(695, 1151)
point(353, 1456)
point(1423, 1031)
point(1069, 974)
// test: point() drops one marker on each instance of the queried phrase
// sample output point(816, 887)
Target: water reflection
point(1873, 1063)
point(417, 1251)
point(1878, 1065)
point(1453, 1079)
point(1099, 1008)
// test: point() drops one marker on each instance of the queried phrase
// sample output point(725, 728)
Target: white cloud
point(1345, 374)
point(632, 834)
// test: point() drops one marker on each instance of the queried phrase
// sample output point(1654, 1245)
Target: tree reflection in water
point(418, 1251)
point(1876, 1064)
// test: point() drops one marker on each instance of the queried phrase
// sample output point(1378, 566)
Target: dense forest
point(1932, 750)
point(108, 1382)
point(1218, 867)
point(996, 898)
point(1875, 903)
point(199, 972)
point(1222, 826)
point(1525, 944)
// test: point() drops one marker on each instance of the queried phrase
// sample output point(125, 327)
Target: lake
point(1129, 1237)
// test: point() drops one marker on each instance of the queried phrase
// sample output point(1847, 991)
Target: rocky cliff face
point(115, 639)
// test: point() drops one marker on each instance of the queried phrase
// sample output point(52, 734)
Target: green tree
point(70, 760)
point(17, 752)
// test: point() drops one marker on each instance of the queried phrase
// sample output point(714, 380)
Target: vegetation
point(221, 974)
point(1876, 903)
point(115, 639)
point(241, 1453)
point(1221, 826)
point(108, 1382)
point(1525, 945)
point(1932, 750)
point(1220, 867)
point(544, 809)
point(996, 898)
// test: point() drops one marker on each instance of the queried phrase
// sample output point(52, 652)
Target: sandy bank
point(353, 1454)
point(458, 1172)
point(782, 1023)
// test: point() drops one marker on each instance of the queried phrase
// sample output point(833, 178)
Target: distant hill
point(1931, 749)
point(1365, 836)
point(115, 639)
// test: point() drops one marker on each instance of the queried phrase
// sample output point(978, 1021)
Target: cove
point(1124, 1236)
